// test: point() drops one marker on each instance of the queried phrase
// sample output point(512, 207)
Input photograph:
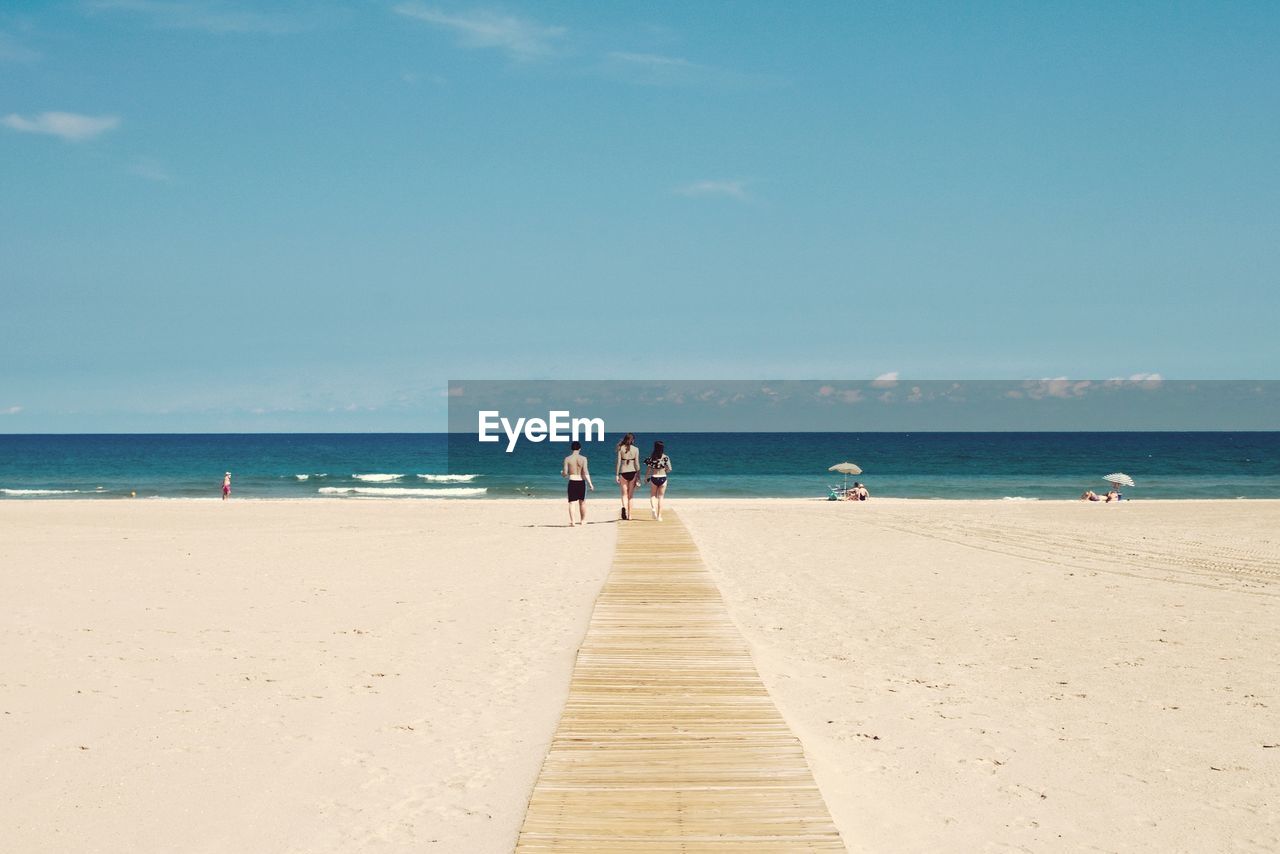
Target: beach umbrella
point(846, 469)
point(1119, 479)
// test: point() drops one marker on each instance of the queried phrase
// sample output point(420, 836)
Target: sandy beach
point(282, 676)
point(1020, 676)
point(301, 676)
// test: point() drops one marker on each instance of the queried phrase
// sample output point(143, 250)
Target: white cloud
point(519, 38)
point(1143, 381)
point(655, 69)
point(1059, 387)
point(651, 69)
point(888, 380)
point(12, 410)
point(11, 50)
point(1147, 380)
point(70, 126)
point(726, 189)
point(151, 170)
point(651, 60)
point(848, 395)
point(211, 16)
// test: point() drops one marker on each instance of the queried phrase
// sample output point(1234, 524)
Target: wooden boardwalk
point(669, 741)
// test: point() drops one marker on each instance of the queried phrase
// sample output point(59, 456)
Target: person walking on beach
point(226, 486)
point(575, 468)
point(626, 471)
point(657, 468)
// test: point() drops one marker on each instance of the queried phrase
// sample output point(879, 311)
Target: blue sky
point(250, 216)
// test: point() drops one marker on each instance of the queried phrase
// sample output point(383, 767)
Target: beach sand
point(282, 676)
point(1020, 676)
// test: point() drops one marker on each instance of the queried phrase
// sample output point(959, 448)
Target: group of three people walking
point(626, 473)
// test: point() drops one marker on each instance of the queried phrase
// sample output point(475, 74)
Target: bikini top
point(629, 457)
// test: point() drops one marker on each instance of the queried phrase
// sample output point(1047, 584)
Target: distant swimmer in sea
point(575, 468)
point(657, 468)
point(626, 471)
point(226, 486)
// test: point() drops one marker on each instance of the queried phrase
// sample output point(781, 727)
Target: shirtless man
point(575, 468)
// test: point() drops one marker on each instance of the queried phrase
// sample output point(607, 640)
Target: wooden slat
point(669, 740)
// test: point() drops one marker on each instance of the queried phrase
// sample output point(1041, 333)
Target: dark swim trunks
point(628, 475)
point(577, 490)
point(658, 479)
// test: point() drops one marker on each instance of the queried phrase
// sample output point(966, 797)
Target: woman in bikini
point(626, 471)
point(657, 468)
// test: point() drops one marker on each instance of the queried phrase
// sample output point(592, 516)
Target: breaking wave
point(402, 491)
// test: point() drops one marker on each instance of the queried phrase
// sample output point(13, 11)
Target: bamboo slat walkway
point(669, 741)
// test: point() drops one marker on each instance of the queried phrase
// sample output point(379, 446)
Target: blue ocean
point(367, 466)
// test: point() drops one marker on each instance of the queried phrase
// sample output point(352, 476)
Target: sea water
point(1025, 466)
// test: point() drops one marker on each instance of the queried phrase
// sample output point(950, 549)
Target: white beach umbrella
point(846, 469)
point(1120, 479)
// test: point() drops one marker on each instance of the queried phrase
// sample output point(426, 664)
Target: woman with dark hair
point(626, 471)
point(657, 467)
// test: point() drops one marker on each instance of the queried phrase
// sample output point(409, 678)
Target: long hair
point(658, 450)
point(627, 441)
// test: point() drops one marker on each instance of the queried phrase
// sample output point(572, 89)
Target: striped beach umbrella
point(1119, 479)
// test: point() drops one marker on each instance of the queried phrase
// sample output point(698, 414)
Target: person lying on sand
point(1090, 495)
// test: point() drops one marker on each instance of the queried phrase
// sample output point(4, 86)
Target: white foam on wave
point(38, 491)
point(448, 478)
point(303, 476)
point(377, 478)
point(403, 491)
point(1018, 498)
